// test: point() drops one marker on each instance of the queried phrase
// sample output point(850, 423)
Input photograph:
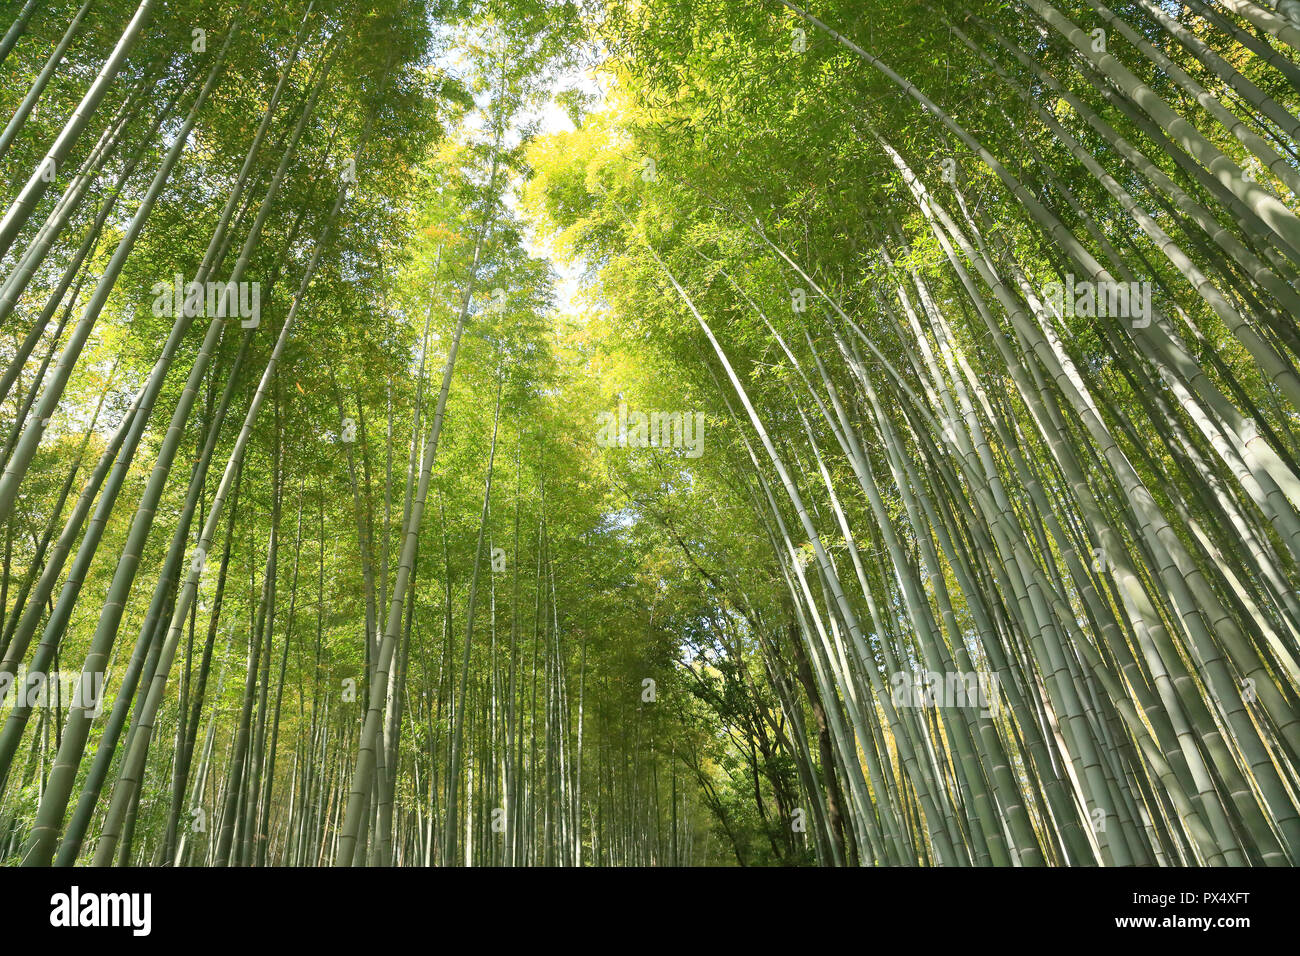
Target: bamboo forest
point(649, 433)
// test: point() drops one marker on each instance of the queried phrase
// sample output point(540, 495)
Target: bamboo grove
point(644, 432)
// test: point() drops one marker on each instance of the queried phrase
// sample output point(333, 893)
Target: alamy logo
point(74, 909)
point(216, 300)
point(36, 689)
point(624, 429)
point(974, 689)
point(1119, 300)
